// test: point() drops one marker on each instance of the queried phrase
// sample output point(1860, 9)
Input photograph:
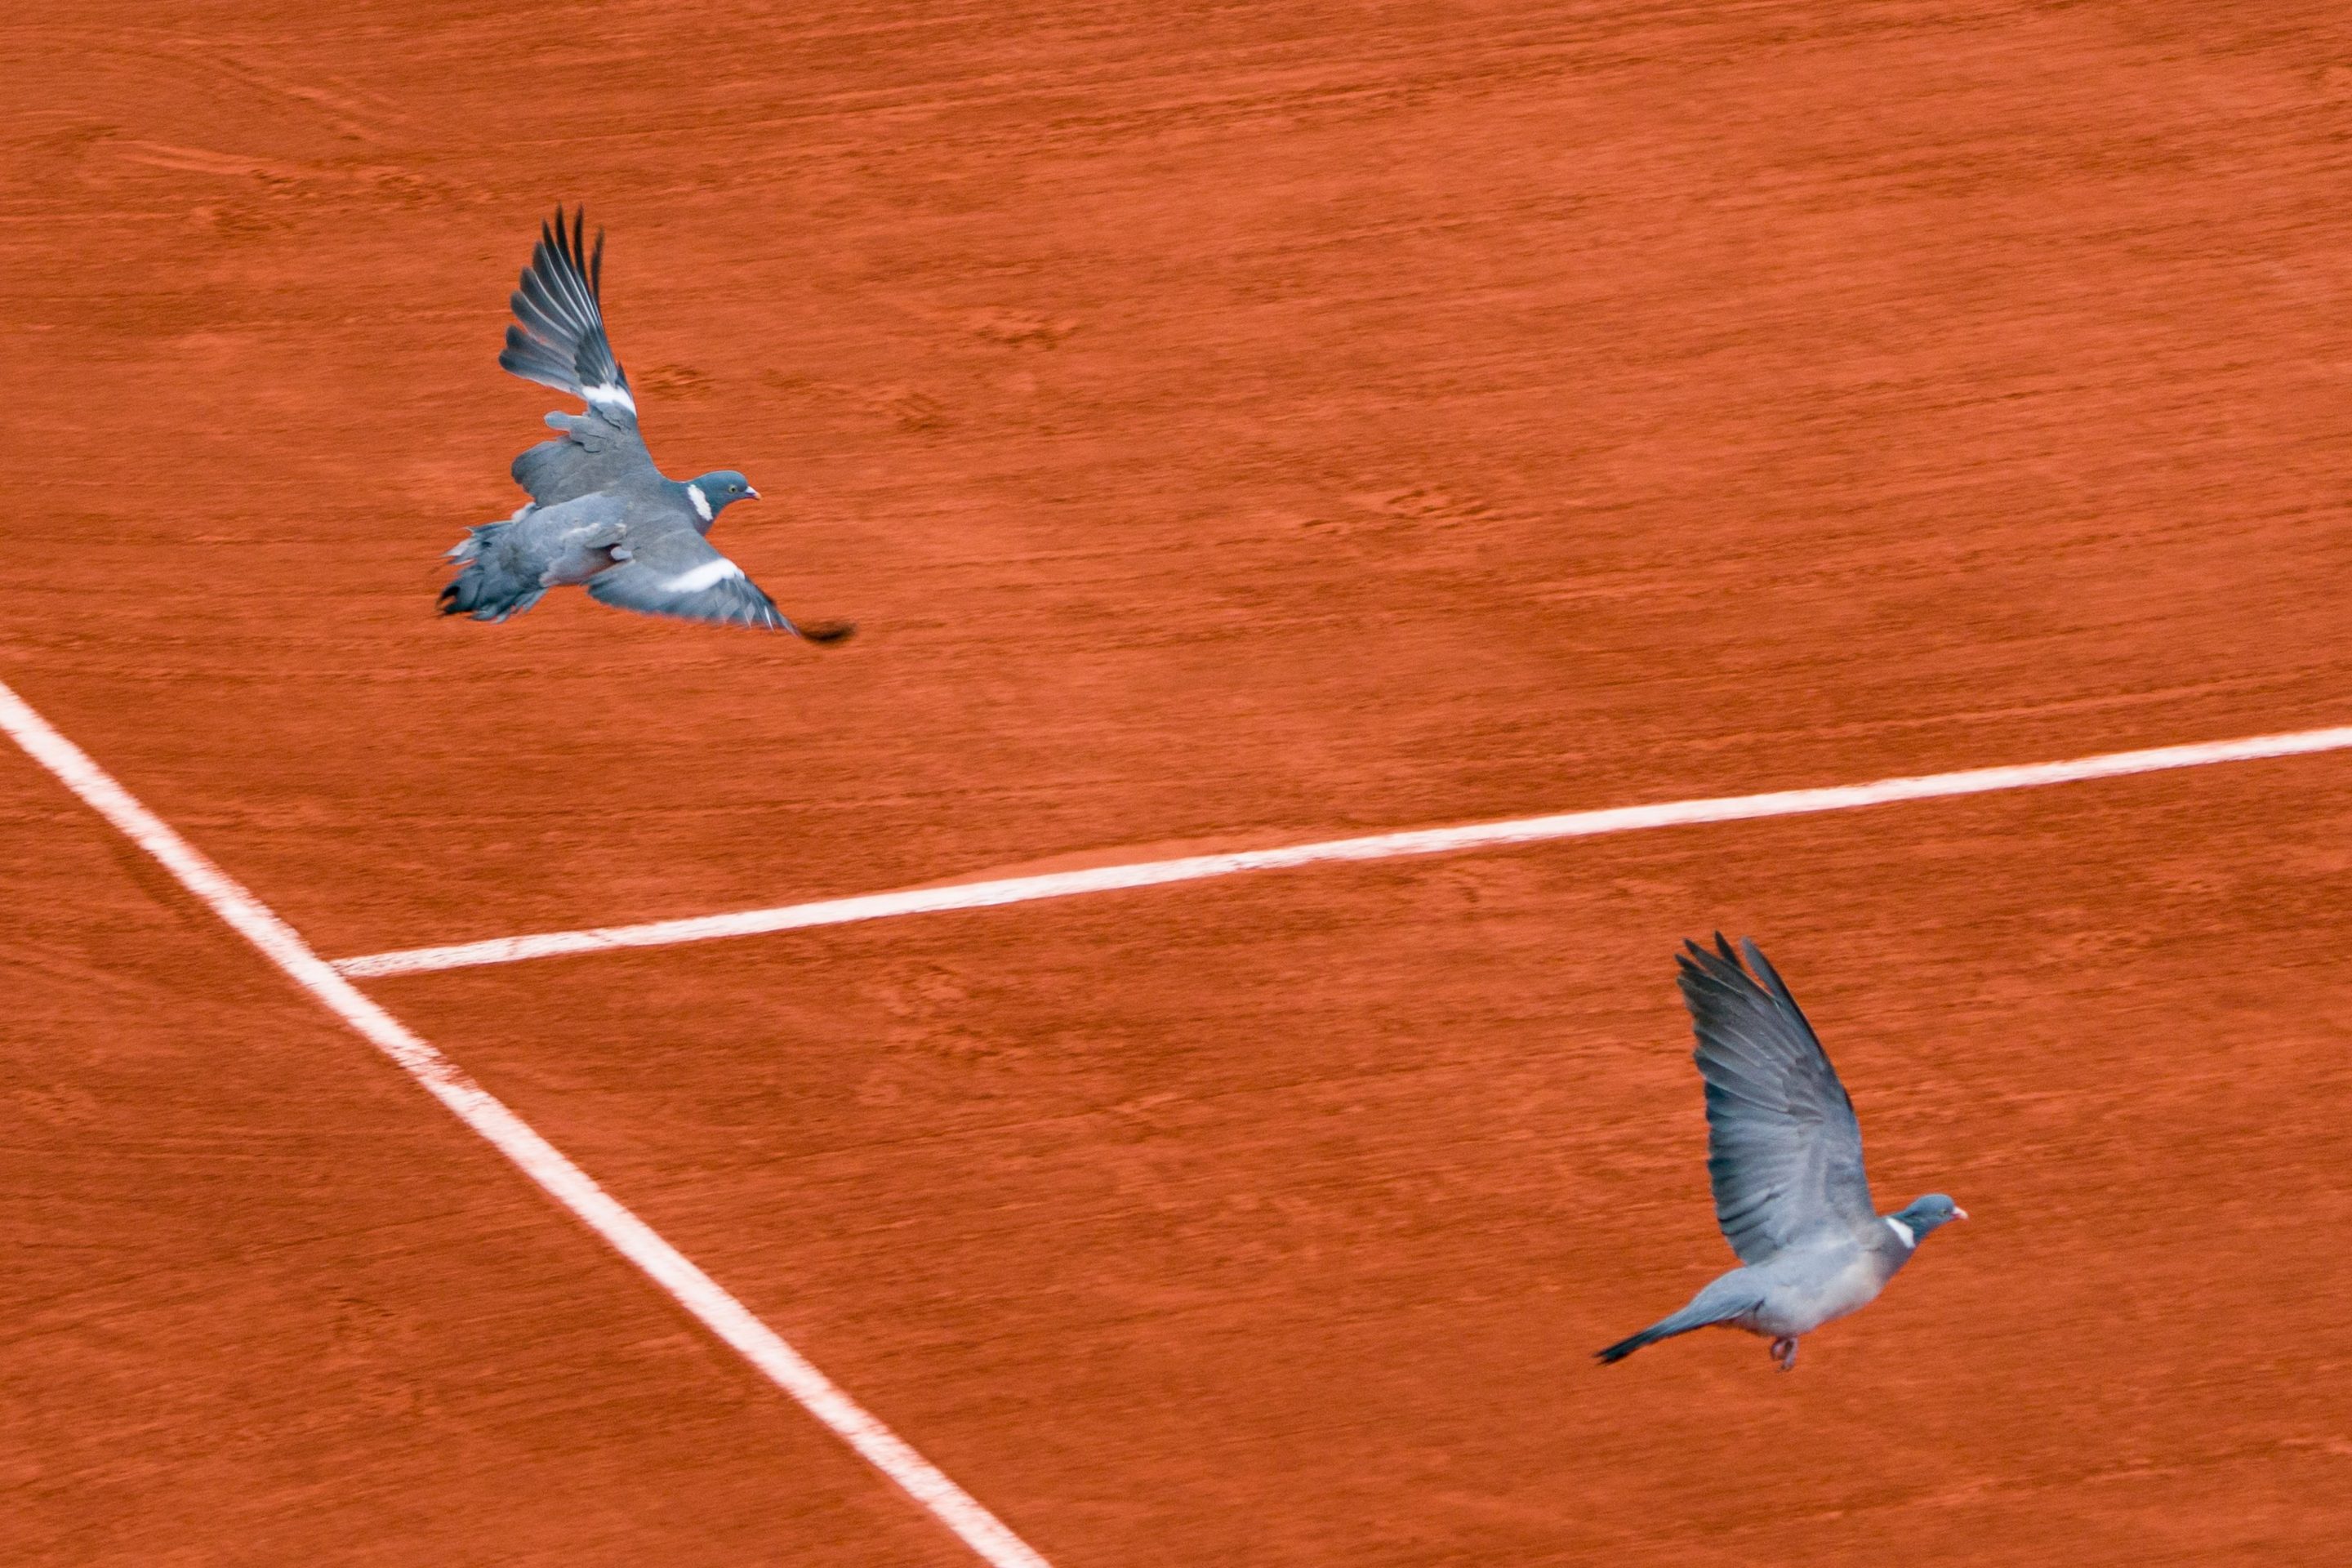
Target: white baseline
point(1375, 847)
point(545, 1164)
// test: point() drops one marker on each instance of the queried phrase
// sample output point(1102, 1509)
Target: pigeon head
point(1925, 1215)
point(721, 488)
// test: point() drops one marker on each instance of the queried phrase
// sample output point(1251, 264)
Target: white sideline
point(564, 1182)
point(1377, 847)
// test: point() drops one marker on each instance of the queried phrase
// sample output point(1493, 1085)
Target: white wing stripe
point(709, 574)
point(607, 393)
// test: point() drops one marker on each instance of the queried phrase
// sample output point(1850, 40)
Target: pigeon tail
point(477, 540)
point(1694, 1315)
point(488, 588)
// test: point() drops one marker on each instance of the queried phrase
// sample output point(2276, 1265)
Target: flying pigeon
point(600, 512)
point(1784, 1152)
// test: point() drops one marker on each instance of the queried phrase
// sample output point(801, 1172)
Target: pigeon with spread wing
point(1784, 1154)
point(600, 512)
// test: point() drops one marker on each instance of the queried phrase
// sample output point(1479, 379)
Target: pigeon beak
point(749, 493)
point(1958, 1213)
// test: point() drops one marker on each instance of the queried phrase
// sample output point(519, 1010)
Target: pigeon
point(1784, 1154)
point(600, 513)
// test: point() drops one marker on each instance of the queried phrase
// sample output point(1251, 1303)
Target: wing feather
point(558, 338)
point(1784, 1150)
point(676, 573)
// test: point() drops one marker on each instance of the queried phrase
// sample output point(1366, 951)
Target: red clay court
point(1233, 427)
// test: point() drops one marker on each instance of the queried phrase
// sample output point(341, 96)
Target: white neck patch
point(1902, 1233)
point(701, 502)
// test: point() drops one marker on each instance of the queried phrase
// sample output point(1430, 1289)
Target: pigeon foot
point(1784, 1351)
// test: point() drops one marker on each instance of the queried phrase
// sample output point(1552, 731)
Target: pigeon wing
point(675, 572)
point(557, 339)
point(1784, 1150)
point(590, 456)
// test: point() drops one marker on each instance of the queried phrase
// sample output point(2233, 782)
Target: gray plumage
point(1784, 1155)
point(510, 564)
point(597, 475)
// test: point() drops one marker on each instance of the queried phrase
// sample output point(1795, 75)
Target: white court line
point(564, 1182)
point(1377, 847)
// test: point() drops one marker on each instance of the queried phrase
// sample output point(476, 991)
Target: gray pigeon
point(600, 512)
point(1784, 1152)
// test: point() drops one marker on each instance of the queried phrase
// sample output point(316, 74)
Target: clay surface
point(1229, 425)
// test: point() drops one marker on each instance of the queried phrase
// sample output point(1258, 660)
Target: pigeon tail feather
point(488, 588)
point(1698, 1315)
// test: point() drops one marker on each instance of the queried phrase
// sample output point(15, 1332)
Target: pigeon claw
point(1784, 1351)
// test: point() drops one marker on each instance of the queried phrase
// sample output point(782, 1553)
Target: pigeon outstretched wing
point(676, 573)
point(557, 339)
point(1784, 1150)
